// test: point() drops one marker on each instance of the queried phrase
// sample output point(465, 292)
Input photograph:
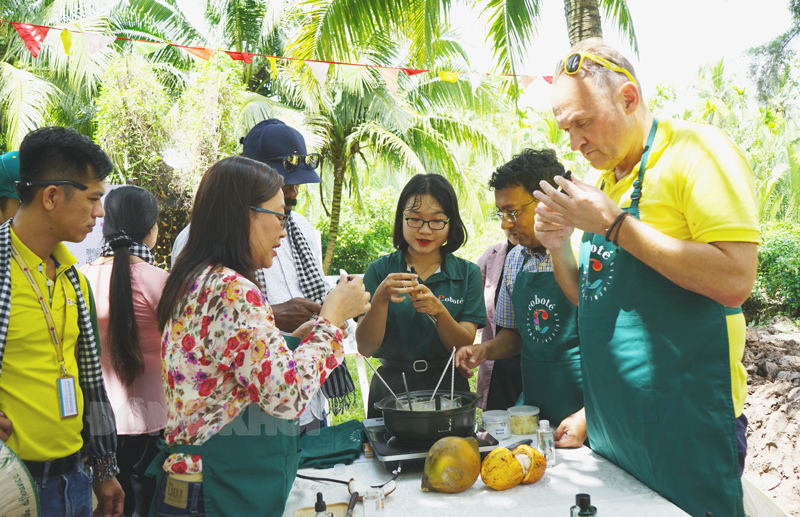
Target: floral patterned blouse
point(224, 352)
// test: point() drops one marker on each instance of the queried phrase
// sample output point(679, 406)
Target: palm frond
point(24, 99)
point(617, 11)
point(512, 27)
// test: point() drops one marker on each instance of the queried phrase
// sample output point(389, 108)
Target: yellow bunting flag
point(144, 48)
point(348, 71)
point(66, 39)
point(390, 76)
point(273, 65)
point(450, 77)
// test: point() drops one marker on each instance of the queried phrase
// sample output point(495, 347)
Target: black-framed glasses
point(433, 224)
point(573, 62)
point(291, 162)
point(281, 217)
point(45, 183)
point(512, 216)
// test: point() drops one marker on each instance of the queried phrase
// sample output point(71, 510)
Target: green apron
point(656, 372)
point(248, 466)
point(551, 354)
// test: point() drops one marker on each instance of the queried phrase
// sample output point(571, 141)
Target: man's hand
point(469, 357)
point(6, 427)
point(290, 315)
point(579, 205)
point(571, 433)
point(110, 498)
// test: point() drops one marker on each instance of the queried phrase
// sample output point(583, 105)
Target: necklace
point(435, 261)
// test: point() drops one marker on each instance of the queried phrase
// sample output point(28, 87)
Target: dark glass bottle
point(583, 507)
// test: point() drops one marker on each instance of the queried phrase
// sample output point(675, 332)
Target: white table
point(613, 491)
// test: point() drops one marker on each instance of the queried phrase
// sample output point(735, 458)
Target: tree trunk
point(583, 20)
point(336, 203)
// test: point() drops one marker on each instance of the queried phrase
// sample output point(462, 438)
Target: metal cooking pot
point(426, 427)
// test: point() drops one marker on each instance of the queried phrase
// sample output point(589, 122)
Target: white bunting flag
point(320, 71)
point(96, 42)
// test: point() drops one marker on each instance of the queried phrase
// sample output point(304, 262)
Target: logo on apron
point(599, 272)
point(542, 321)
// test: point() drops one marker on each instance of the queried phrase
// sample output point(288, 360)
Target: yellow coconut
point(532, 462)
point(501, 470)
point(452, 465)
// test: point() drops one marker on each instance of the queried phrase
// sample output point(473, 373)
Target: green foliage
point(205, 121)
point(777, 289)
point(131, 121)
point(364, 234)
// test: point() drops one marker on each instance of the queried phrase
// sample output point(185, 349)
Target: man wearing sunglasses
point(669, 254)
point(54, 411)
point(295, 284)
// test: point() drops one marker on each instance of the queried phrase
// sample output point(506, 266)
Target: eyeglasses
point(281, 217)
point(435, 224)
point(511, 216)
point(573, 62)
point(25, 184)
point(290, 162)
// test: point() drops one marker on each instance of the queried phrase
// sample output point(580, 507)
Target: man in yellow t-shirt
point(54, 412)
point(668, 256)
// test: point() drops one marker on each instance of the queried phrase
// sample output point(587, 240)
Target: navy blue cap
point(9, 174)
point(272, 138)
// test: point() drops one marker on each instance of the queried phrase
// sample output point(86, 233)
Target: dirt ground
point(772, 359)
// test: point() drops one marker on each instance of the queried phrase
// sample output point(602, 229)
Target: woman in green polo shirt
point(418, 318)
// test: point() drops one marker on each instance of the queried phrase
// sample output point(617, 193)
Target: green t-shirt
point(411, 335)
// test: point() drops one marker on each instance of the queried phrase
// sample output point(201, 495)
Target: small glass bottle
point(320, 507)
point(583, 507)
point(373, 503)
point(547, 442)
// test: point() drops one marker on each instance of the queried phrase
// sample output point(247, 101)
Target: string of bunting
point(34, 36)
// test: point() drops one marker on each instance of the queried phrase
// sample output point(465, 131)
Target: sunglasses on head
point(290, 162)
point(573, 62)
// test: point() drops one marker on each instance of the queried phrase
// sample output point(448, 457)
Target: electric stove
point(390, 451)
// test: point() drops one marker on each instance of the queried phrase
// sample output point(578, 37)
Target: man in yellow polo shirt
point(668, 256)
point(55, 412)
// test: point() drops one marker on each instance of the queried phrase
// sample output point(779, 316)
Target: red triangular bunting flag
point(413, 71)
point(241, 56)
point(202, 53)
point(32, 35)
point(548, 78)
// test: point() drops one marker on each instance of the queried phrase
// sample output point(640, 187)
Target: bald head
point(602, 110)
point(607, 79)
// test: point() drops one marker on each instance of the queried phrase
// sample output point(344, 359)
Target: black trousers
point(134, 454)
point(416, 381)
point(506, 383)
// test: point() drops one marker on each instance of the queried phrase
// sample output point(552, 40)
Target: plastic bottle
point(547, 442)
point(373, 502)
point(583, 507)
point(320, 507)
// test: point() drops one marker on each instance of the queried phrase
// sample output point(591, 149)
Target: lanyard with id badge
point(67, 393)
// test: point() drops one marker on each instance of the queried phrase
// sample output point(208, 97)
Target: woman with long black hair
point(127, 287)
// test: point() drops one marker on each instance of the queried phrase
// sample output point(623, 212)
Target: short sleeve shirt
point(410, 335)
point(518, 259)
point(697, 187)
